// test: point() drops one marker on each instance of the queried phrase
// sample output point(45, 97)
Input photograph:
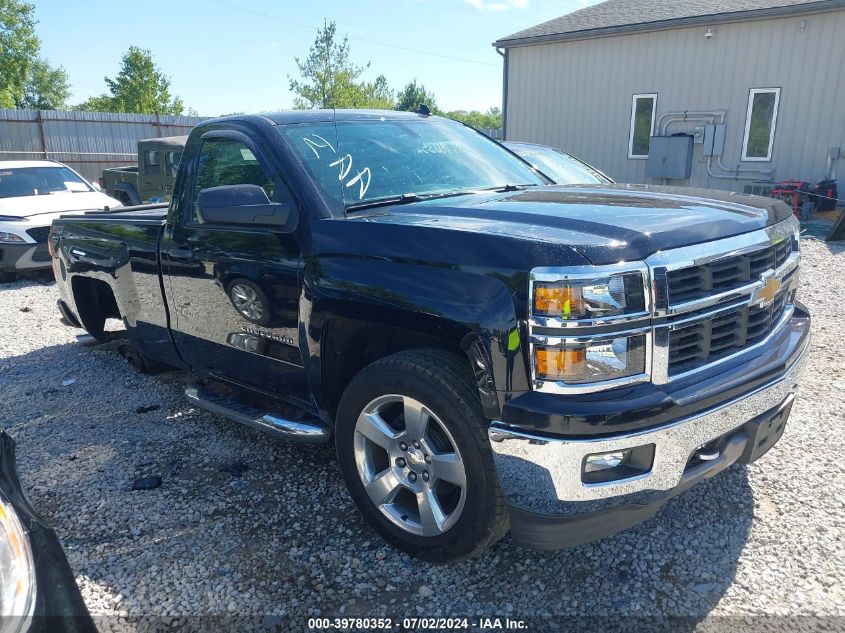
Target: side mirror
point(243, 205)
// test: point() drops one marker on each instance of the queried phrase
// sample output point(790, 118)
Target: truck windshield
point(39, 181)
point(358, 163)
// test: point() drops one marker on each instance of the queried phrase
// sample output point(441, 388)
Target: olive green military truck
point(152, 180)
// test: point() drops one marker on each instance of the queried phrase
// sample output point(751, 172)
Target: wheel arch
point(128, 190)
point(388, 305)
point(95, 302)
point(349, 345)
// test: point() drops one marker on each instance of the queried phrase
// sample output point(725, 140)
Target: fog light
point(604, 461)
point(600, 468)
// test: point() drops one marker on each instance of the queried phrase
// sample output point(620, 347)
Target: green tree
point(492, 119)
point(103, 103)
point(18, 47)
point(47, 88)
point(378, 95)
point(413, 95)
point(327, 75)
point(328, 78)
point(139, 87)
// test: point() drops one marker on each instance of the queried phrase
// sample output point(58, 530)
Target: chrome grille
point(729, 273)
point(701, 343)
point(706, 303)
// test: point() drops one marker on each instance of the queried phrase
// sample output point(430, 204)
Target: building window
point(643, 108)
point(760, 121)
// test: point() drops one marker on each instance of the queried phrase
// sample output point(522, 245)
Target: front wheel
point(413, 449)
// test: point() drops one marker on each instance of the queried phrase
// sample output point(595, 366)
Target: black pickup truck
point(486, 351)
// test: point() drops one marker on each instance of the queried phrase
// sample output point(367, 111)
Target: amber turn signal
point(560, 364)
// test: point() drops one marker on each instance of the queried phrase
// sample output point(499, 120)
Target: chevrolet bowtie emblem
point(765, 295)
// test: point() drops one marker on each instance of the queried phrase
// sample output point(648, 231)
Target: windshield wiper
point(405, 198)
point(415, 197)
point(508, 187)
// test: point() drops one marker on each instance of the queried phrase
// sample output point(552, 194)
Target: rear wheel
point(7, 277)
point(413, 449)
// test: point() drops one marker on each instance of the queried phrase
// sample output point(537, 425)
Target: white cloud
point(497, 5)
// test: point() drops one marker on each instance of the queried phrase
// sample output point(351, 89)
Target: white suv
point(32, 194)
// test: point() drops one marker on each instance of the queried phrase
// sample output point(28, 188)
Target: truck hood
point(604, 223)
point(28, 206)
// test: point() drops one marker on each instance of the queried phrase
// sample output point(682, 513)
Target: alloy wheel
point(410, 465)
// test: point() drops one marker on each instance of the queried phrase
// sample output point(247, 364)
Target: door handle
point(180, 253)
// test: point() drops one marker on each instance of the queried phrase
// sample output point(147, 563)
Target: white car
point(32, 194)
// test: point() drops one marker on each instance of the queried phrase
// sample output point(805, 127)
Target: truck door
point(234, 290)
point(171, 167)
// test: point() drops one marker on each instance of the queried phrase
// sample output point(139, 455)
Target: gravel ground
point(243, 524)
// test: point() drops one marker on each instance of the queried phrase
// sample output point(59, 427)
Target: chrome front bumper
point(539, 473)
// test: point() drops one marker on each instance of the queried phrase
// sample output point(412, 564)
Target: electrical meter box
point(714, 140)
point(670, 157)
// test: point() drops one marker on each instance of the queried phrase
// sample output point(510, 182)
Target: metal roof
point(619, 16)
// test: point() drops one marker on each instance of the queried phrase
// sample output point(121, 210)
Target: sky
point(226, 56)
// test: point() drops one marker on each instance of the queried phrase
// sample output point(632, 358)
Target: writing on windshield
point(370, 160)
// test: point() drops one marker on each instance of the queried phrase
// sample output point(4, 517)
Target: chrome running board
point(309, 431)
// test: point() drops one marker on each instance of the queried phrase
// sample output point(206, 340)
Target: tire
point(249, 301)
point(473, 518)
point(6, 278)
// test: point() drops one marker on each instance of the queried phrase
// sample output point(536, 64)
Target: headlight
point(10, 237)
point(589, 327)
point(579, 299)
point(594, 361)
point(17, 570)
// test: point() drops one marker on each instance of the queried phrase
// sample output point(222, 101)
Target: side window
point(152, 162)
point(224, 161)
point(173, 159)
point(643, 108)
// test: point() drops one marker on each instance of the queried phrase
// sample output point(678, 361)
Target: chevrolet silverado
point(487, 352)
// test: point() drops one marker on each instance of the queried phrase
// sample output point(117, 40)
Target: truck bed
point(109, 260)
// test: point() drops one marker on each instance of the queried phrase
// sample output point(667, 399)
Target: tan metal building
point(758, 85)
